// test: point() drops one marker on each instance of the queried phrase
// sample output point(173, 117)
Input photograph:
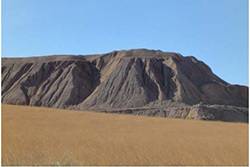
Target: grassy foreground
point(45, 136)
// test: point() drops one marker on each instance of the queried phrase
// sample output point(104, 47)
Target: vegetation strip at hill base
point(45, 136)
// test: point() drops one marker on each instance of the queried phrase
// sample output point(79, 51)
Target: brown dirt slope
point(46, 136)
point(116, 80)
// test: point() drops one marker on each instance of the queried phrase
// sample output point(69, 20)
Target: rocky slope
point(126, 80)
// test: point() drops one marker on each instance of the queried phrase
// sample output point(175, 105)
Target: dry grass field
point(43, 136)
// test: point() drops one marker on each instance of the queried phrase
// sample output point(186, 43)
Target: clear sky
point(214, 31)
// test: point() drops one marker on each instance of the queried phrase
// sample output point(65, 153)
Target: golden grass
point(43, 136)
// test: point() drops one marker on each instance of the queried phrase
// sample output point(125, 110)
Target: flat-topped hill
point(159, 82)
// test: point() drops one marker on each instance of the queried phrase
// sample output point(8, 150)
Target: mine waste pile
point(139, 82)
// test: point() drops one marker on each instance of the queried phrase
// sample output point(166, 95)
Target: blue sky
point(214, 31)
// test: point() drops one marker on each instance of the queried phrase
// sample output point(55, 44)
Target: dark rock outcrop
point(160, 82)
